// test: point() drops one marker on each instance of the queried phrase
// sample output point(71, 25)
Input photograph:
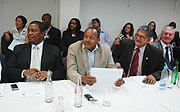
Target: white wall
point(112, 13)
point(68, 10)
point(115, 13)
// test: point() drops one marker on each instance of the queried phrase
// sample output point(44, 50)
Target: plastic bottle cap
point(165, 67)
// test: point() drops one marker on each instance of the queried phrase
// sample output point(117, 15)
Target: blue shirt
point(90, 58)
point(104, 36)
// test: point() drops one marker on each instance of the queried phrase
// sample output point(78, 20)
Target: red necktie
point(134, 64)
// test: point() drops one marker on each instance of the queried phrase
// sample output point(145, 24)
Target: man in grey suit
point(83, 55)
point(164, 45)
point(150, 61)
point(31, 61)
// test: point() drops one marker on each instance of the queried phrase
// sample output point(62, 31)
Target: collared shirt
point(91, 56)
point(19, 38)
point(141, 54)
point(40, 45)
point(164, 49)
point(47, 30)
point(104, 36)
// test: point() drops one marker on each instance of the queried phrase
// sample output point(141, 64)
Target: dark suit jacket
point(159, 46)
point(21, 59)
point(3, 65)
point(152, 63)
point(54, 37)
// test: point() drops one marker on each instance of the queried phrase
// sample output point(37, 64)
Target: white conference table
point(130, 97)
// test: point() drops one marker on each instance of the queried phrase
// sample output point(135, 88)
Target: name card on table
point(105, 77)
point(31, 89)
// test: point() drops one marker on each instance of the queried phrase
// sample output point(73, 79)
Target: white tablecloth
point(130, 97)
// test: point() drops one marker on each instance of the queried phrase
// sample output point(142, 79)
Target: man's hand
point(150, 79)
point(33, 72)
point(43, 75)
point(90, 80)
point(119, 82)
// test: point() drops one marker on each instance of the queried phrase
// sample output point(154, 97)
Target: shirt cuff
point(22, 76)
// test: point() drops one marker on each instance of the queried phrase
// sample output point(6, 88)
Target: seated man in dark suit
point(137, 57)
point(52, 34)
point(2, 68)
point(31, 61)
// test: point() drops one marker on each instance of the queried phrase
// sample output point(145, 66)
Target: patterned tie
point(134, 64)
point(167, 58)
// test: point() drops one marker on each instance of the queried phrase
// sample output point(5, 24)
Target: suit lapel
point(130, 51)
point(27, 53)
point(44, 53)
point(97, 57)
point(145, 56)
point(84, 58)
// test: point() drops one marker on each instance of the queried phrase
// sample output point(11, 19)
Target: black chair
point(4, 46)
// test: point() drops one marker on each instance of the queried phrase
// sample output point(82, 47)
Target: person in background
point(83, 55)
point(104, 36)
point(154, 38)
point(126, 33)
point(71, 35)
point(52, 34)
point(17, 35)
point(137, 57)
point(167, 35)
point(30, 62)
point(176, 40)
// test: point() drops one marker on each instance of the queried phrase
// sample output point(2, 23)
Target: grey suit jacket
point(159, 45)
point(77, 59)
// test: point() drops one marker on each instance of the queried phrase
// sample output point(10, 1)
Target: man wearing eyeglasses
point(167, 36)
point(137, 57)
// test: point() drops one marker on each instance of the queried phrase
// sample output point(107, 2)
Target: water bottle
point(176, 73)
point(49, 88)
point(164, 78)
point(60, 106)
point(78, 93)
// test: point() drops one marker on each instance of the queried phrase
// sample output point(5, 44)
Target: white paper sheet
point(1, 90)
point(139, 79)
point(31, 89)
point(106, 77)
point(13, 44)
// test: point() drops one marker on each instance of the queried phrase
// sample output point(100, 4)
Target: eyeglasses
point(72, 23)
point(128, 27)
point(170, 34)
point(142, 37)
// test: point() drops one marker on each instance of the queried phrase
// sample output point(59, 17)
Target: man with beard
point(71, 35)
point(52, 34)
point(83, 55)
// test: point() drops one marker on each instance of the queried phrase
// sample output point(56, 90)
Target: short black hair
point(98, 33)
point(173, 24)
point(24, 20)
point(40, 25)
point(96, 19)
point(48, 15)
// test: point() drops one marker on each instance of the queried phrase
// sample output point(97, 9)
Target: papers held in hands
point(105, 77)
